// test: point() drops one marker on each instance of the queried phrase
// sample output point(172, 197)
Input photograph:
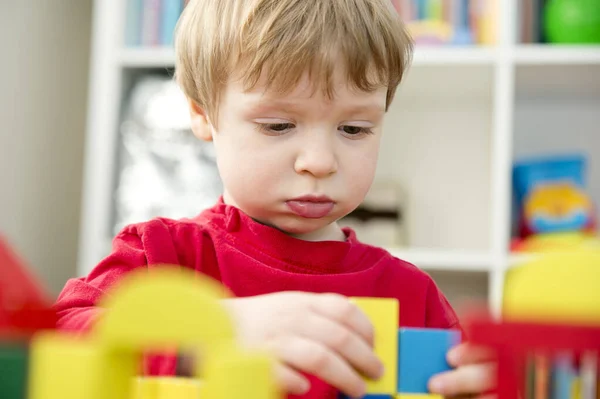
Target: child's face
point(299, 161)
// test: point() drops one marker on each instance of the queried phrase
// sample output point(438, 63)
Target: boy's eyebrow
point(366, 108)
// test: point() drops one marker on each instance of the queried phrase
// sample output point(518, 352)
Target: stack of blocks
point(411, 356)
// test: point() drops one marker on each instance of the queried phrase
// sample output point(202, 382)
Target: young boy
point(293, 94)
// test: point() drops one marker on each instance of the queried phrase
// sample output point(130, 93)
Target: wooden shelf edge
point(445, 260)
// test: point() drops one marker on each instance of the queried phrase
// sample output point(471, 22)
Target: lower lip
point(309, 209)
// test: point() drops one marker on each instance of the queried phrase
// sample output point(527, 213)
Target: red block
point(513, 342)
point(24, 306)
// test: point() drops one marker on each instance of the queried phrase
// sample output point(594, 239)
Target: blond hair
point(284, 39)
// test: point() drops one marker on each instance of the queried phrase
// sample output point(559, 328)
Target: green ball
point(572, 21)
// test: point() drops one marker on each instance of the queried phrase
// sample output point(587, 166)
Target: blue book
point(133, 23)
point(421, 6)
point(462, 30)
point(171, 10)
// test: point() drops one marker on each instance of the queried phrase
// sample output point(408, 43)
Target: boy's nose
point(317, 158)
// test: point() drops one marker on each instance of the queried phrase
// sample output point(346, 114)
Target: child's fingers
point(466, 353)
point(470, 379)
point(292, 381)
point(340, 309)
point(344, 341)
point(316, 359)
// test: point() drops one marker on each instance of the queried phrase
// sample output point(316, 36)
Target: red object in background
point(24, 306)
point(513, 342)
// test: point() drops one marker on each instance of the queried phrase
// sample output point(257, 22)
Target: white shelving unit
point(458, 122)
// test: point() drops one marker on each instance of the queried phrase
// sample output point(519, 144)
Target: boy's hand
point(474, 375)
point(321, 334)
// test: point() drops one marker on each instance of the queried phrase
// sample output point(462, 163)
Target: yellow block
point(559, 287)
point(145, 388)
point(63, 367)
point(383, 313)
point(162, 308)
point(166, 388)
point(418, 396)
point(238, 374)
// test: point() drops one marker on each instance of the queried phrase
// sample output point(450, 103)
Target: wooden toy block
point(535, 319)
point(236, 373)
point(384, 314)
point(418, 396)
point(422, 354)
point(164, 318)
point(13, 371)
point(574, 275)
point(145, 388)
point(63, 367)
point(178, 388)
point(24, 306)
point(370, 396)
point(17, 285)
point(166, 388)
point(150, 310)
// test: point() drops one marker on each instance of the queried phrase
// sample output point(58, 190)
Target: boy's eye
point(355, 130)
point(275, 127)
point(279, 127)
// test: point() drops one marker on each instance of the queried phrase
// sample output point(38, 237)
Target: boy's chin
point(312, 229)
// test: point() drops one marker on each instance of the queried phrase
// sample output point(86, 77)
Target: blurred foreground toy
point(548, 340)
point(150, 310)
point(24, 310)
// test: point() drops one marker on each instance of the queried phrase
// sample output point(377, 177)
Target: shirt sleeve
point(135, 247)
point(439, 312)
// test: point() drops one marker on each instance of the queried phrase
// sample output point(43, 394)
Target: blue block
point(370, 396)
point(422, 354)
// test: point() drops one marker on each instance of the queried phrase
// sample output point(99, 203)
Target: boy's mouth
point(311, 206)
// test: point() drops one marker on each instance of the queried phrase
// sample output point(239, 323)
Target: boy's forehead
point(311, 89)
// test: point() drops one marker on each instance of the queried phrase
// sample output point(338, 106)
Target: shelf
point(517, 259)
point(164, 57)
point(535, 54)
point(557, 55)
point(445, 260)
point(454, 56)
point(152, 57)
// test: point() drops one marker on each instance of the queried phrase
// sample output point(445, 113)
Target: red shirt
point(253, 259)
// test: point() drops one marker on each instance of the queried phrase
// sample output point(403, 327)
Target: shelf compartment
point(463, 289)
point(545, 54)
point(559, 117)
point(436, 148)
point(445, 260)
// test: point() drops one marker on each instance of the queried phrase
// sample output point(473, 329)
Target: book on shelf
point(450, 22)
point(151, 23)
point(531, 23)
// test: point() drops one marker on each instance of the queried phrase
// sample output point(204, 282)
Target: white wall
point(43, 96)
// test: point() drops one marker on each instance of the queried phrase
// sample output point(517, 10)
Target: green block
point(13, 371)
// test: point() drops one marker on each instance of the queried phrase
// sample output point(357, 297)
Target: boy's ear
point(199, 122)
